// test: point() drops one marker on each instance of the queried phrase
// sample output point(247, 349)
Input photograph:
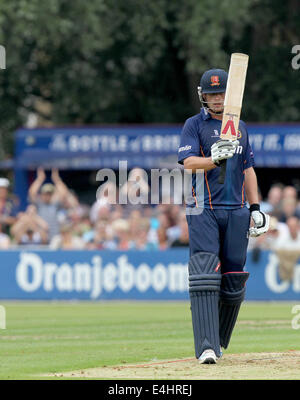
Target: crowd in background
point(55, 219)
point(283, 206)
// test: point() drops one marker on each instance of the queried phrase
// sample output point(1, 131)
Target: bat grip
point(223, 165)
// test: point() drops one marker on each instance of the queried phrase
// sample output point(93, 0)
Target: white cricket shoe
point(208, 357)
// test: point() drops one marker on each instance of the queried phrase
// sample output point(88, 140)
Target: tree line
point(138, 61)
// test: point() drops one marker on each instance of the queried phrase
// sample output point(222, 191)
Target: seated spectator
point(30, 228)
point(268, 240)
point(162, 239)
point(288, 208)
point(50, 200)
point(289, 240)
point(116, 212)
point(66, 240)
point(4, 240)
point(135, 192)
point(175, 231)
point(100, 238)
point(8, 208)
point(163, 220)
point(134, 221)
point(160, 219)
point(183, 239)
point(148, 211)
point(272, 206)
point(154, 225)
point(288, 249)
point(79, 217)
point(142, 241)
point(106, 200)
point(174, 211)
point(31, 237)
point(120, 228)
point(289, 192)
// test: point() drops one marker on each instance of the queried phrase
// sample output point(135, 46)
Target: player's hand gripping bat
point(233, 102)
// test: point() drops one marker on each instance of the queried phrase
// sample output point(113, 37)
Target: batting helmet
point(212, 81)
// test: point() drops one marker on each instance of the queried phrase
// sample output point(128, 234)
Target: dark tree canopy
point(135, 61)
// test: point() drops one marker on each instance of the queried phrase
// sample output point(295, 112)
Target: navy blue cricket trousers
point(221, 232)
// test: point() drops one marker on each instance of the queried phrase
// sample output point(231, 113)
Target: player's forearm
point(251, 186)
point(195, 163)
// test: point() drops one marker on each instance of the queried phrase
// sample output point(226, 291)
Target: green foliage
point(112, 61)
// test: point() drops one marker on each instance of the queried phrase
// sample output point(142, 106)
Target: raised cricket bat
point(233, 102)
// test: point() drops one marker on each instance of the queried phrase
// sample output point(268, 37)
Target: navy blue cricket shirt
point(199, 133)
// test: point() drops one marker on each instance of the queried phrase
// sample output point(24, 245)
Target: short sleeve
point(189, 141)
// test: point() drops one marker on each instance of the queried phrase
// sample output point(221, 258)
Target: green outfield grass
point(48, 337)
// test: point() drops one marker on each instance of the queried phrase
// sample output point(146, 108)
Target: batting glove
point(222, 150)
point(260, 219)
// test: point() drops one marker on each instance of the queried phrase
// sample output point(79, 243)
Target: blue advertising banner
point(135, 275)
point(147, 146)
point(275, 145)
point(92, 148)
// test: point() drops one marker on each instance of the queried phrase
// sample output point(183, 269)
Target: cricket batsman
point(218, 234)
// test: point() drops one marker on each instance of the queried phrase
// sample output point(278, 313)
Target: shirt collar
point(204, 114)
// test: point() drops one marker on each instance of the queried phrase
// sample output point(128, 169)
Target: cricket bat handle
point(223, 165)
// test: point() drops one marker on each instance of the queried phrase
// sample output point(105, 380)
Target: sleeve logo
point(184, 148)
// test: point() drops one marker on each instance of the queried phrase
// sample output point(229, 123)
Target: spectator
point(148, 211)
point(289, 240)
point(134, 221)
point(4, 240)
point(288, 249)
point(8, 209)
point(116, 213)
point(268, 240)
point(162, 238)
point(135, 192)
point(115, 226)
point(106, 200)
point(174, 213)
point(175, 231)
point(79, 217)
point(120, 229)
point(288, 208)
point(50, 200)
point(183, 240)
point(289, 192)
point(274, 200)
point(141, 241)
point(65, 240)
point(104, 214)
point(100, 238)
point(30, 228)
point(151, 214)
point(62, 193)
point(163, 220)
